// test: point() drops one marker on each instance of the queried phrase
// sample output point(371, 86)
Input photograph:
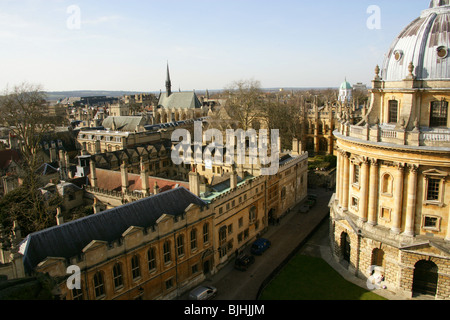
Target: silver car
point(203, 293)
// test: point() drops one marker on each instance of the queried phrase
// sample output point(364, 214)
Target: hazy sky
point(125, 45)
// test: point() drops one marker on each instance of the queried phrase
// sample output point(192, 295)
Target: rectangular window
point(430, 222)
point(433, 189)
point(439, 114)
point(356, 174)
point(393, 111)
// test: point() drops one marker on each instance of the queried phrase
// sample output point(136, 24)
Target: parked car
point(260, 246)
point(203, 293)
point(243, 262)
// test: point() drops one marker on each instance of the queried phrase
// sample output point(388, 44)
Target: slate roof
point(124, 123)
point(69, 239)
point(179, 100)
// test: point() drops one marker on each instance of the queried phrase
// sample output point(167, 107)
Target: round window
point(398, 55)
point(442, 52)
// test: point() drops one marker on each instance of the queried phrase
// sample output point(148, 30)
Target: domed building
point(345, 92)
point(390, 214)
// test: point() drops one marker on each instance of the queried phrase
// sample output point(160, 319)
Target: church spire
point(168, 82)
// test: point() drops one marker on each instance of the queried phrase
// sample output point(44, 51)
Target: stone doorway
point(425, 278)
point(345, 247)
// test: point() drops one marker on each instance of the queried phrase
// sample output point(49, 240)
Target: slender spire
point(168, 82)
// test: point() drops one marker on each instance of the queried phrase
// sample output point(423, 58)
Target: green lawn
point(309, 278)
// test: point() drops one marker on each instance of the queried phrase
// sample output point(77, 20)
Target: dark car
point(260, 246)
point(243, 262)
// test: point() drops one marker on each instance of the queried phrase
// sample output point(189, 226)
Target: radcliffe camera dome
point(425, 42)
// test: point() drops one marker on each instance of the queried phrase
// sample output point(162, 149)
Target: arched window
point(135, 267)
point(151, 256)
point(252, 214)
point(206, 233)
point(99, 285)
point(167, 255)
point(193, 239)
point(117, 276)
point(180, 245)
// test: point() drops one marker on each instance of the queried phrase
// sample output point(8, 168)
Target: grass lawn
point(309, 278)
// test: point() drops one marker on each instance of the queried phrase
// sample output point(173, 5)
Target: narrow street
point(294, 228)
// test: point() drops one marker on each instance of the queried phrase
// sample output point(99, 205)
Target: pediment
point(131, 230)
point(435, 172)
point(94, 244)
point(428, 248)
point(165, 217)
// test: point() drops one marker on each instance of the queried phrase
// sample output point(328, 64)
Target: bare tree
point(24, 110)
point(244, 102)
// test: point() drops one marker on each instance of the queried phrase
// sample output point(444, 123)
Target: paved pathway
point(293, 229)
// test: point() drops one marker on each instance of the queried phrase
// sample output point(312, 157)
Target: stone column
point(341, 177)
point(411, 204)
point(364, 191)
point(447, 237)
point(398, 198)
point(338, 176)
point(373, 192)
point(346, 181)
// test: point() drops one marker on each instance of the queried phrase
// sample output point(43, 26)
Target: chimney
point(144, 179)
point(295, 146)
point(96, 206)
point(93, 170)
point(59, 217)
point(233, 179)
point(194, 182)
point(124, 176)
point(156, 188)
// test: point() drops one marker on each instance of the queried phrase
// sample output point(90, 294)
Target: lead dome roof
point(425, 42)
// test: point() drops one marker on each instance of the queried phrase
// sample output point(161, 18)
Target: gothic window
point(252, 214)
point(99, 285)
point(135, 268)
point(206, 233)
point(193, 239)
point(393, 111)
point(180, 245)
point(151, 256)
point(117, 276)
point(167, 255)
point(439, 114)
point(222, 235)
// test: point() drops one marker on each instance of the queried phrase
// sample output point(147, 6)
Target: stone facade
point(391, 207)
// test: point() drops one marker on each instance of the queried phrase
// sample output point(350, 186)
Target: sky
point(125, 45)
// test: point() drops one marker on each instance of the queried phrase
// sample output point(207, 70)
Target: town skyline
point(118, 46)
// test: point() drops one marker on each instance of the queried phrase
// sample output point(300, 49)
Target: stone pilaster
point(411, 202)
point(373, 193)
point(398, 196)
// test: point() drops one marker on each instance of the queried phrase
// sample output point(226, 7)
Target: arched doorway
point(345, 247)
point(425, 278)
point(377, 257)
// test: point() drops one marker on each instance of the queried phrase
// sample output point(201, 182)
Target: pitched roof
point(112, 180)
point(179, 100)
point(7, 156)
point(124, 123)
point(69, 239)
